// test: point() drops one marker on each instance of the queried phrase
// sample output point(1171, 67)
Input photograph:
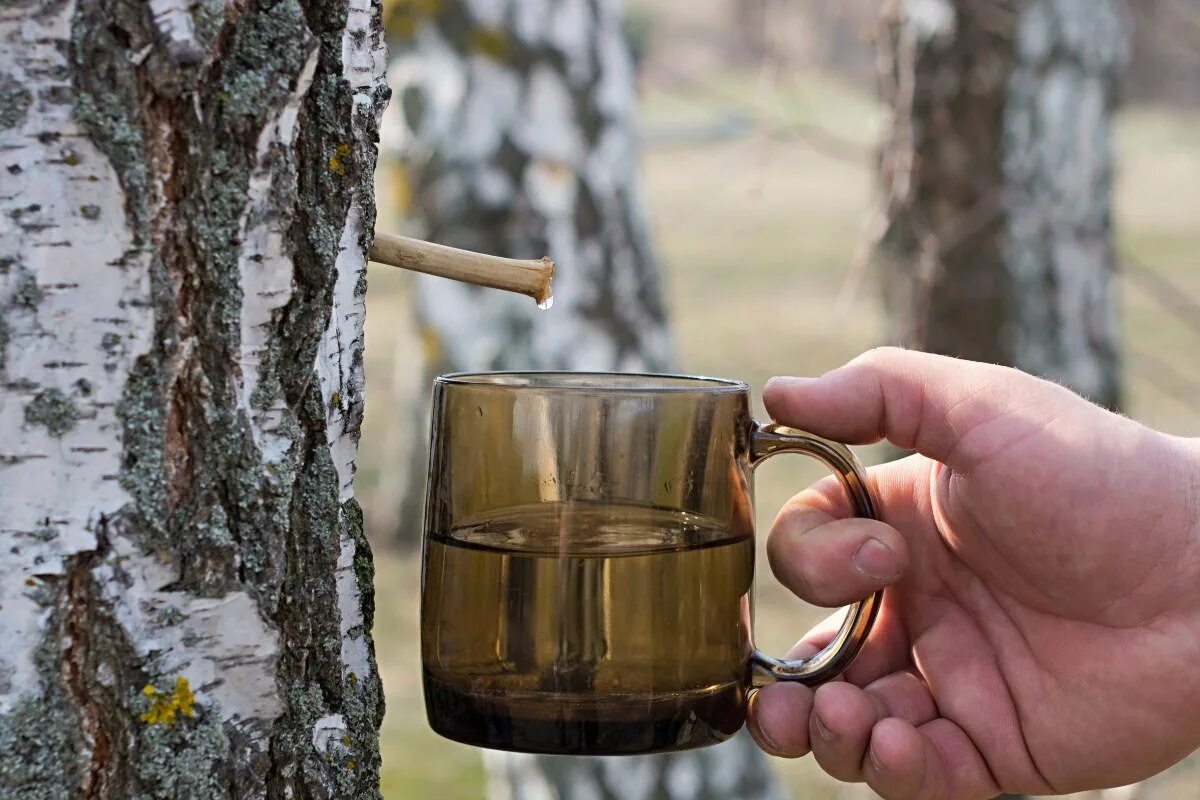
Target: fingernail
point(876, 560)
point(875, 762)
point(823, 729)
point(765, 741)
point(756, 729)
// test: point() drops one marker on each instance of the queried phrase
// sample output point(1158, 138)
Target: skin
point(1040, 632)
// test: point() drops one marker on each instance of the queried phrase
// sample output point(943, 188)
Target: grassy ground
point(754, 263)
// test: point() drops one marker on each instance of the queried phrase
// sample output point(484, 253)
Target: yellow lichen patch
point(166, 708)
point(336, 163)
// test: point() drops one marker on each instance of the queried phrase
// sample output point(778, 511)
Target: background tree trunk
point(515, 120)
point(515, 128)
point(997, 180)
point(185, 592)
point(997, 184)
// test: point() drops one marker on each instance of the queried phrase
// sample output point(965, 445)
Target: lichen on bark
point(15, 101)
point(39, 739)
point(191, 759)
point(53, 410)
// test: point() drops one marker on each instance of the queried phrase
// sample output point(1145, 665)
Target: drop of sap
point(547, 304)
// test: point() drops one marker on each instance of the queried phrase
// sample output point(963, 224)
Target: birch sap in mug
point(588, 559)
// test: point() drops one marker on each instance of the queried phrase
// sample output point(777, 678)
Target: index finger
point(917, 401)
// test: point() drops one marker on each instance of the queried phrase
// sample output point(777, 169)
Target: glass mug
point(588, 559)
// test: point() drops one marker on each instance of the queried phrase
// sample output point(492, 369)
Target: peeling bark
point(185, 599)
point(997, 183)
point(514, 132)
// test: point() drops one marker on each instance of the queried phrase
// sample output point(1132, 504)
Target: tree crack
point(78, 613)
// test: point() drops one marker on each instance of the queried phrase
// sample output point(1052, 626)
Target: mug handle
point(771, 440)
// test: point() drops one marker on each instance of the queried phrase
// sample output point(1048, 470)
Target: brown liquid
point(587, 629)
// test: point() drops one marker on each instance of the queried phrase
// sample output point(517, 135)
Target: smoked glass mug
point(588, 559)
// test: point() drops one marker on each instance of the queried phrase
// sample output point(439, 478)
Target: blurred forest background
point(768, 136)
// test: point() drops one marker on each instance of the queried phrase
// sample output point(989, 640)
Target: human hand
point(1040, 632)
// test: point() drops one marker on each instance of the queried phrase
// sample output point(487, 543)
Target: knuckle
point(880, 356)
point(796, 517)
point(789, 564)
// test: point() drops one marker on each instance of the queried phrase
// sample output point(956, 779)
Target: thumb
point(944, 408)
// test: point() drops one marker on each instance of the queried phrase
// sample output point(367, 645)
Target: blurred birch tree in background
point(514, 131)
point(995, 232)
point(996, 240)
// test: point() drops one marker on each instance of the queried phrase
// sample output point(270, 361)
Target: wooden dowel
point(531, 278)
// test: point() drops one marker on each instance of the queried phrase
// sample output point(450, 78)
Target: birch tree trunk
point(997, 179)
point(515, 131)
point(997, 184)
point(185, 591)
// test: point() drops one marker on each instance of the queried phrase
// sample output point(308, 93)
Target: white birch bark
point(185, 594)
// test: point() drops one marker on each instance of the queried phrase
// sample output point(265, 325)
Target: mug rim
point(591, 382)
